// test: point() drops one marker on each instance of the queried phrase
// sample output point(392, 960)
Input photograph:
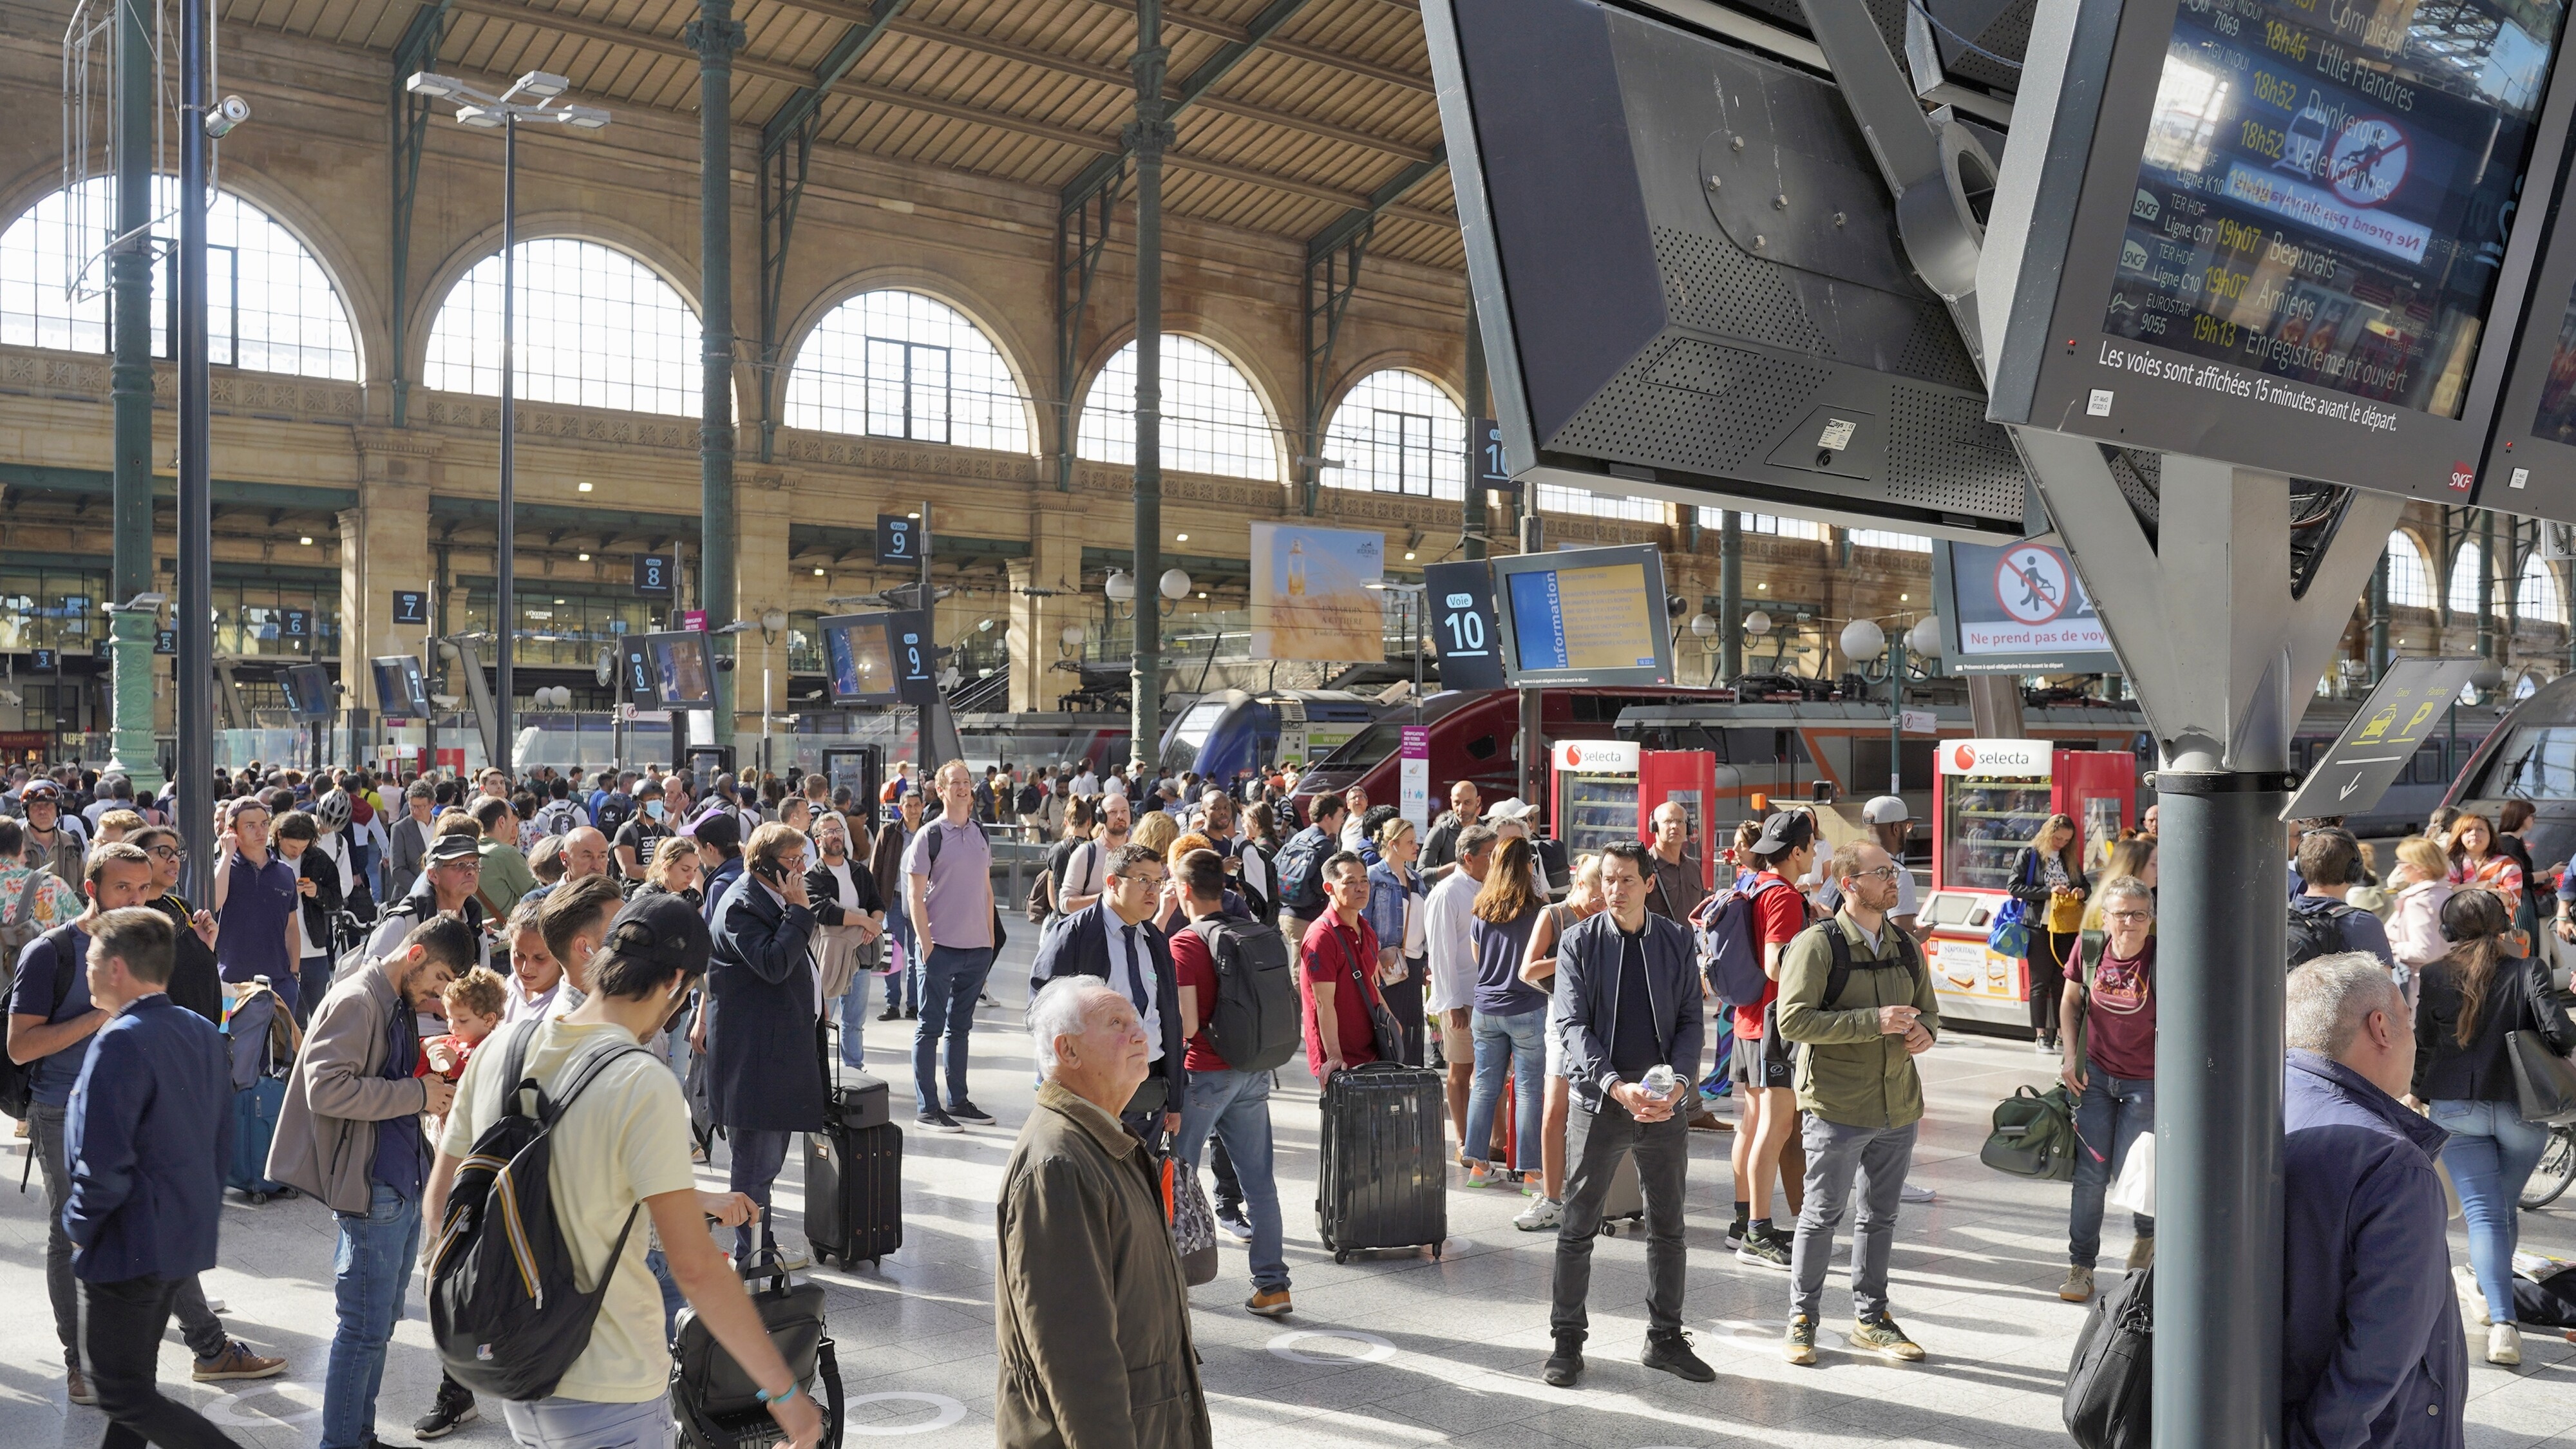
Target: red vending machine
point(1605, 791)
point(1989, 798)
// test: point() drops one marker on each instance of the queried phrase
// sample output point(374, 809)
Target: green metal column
point(2486, 584)
point(1730, 596)
point(1149, 137)
point(129, 272)
point(1476, 521)
point(716, 35)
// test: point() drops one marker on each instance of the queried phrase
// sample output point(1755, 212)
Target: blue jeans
point(377, 1250)
point(561, 1423)
point(1519, 1043)
point(2491, 1154)
point(952, 977)
point(1235, 1106)
point(902, 988)
point(757, 1157)
point(673, 1300)
point(2114, 1111)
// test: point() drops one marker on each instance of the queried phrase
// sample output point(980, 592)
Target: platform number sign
point(1485, 454)
point(899, 539)
point(42, 661)
point(916, 657)
point(299, 623)
point(411, 606)
point(653, 575)
point(1461, 598)
point(165, 641)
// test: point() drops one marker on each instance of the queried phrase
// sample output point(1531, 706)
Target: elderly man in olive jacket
point(1089, 1308)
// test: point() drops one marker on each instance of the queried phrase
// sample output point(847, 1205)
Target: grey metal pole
point(129, 271)
point(1730, 596)
point(1148, 137)
point(505, 609)
point(1476, 522)
point(2218, 1106)
point(1895, 714)
point(716, 35)
point(2379, 619)
point(2486, 584)
point(195, 615)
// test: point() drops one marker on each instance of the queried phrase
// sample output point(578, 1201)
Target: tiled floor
point(1432, 1352)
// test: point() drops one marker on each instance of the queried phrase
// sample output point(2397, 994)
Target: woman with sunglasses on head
point(2107, 1019)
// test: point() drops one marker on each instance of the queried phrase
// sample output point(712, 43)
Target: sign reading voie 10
point(2293, 235)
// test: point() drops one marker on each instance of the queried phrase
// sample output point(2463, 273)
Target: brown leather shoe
point(1707, 1121)
point(80, 1391)
point(236, 1361)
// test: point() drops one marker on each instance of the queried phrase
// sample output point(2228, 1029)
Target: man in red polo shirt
point(1337, 963)
point(1764, 1065)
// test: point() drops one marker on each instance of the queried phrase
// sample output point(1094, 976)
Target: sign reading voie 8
point(2296, 236)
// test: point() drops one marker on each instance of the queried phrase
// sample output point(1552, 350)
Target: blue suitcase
point(255, 1109)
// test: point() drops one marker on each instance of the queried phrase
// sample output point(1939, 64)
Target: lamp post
point(486, 112)
point(1704, 629)
point(1412, 594)
point(1863, 640)
point(773, 622)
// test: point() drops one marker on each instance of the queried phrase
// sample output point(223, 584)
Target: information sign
point(400, 689)
point(860, 655)
point(1413, 777)
point(898, 539)
point(1589, 616)
point(2294, 237)
point(916, 657)
point(653, 575)
point(411, 606)
point(43, 661)
point(2410, 705)
point(680, 669)
point(299, 623)
point(1463, 632)
point(2019, 609)
point(1485, 461)
point(694, 620)
point(165, 641)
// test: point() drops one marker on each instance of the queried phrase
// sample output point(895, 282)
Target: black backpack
point(2109, 1381)
point(18, 1082)
point(1255, 1020)
point(1301, 873)
point(930, 852)
point(2319, 933)
point(614, 811)
point(504, 1310)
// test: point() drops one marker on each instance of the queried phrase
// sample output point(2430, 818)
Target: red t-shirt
point(1321, 959)
point(1778, 914)
point(2120, 1015)
point(463, 1049)
point(1194, 969)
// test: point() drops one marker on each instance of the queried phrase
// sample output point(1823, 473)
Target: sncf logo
point(2462, 476)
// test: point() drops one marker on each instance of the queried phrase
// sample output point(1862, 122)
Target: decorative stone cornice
point(893, 456)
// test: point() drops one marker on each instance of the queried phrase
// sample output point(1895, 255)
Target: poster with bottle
point(1310, 594)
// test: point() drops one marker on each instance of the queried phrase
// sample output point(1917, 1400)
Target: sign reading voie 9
point(2293, 234)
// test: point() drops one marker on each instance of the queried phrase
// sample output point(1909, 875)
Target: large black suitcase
point(854, 1191)
point(1385, 1176)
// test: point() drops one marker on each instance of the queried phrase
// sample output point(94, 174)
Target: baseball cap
point(1785, 831)
point(1885, 810)
point(453, 847)
point(1511, 808)
point(662, 930)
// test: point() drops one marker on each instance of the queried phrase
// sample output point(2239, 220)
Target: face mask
point(653, 808)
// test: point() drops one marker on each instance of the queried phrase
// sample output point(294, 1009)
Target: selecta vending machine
point(1606, 791)
point(1989, 798)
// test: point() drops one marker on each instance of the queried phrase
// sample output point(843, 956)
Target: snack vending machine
point(1606, 791)
point(1989, 799)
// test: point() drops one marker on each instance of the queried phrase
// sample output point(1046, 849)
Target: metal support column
point(1148, 138)
point(129, 271)
point(716, 35)
point(2486, 584)
point(1081, 235)
point(1475, 522)
point(1332, 276)
point(505, 544)
point(194, 619)
point(2224, 636)
point(1730, 596)
point(2379, 655)
point(782, 191)
point(417, 50)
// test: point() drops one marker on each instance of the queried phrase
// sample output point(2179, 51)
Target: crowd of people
point(652, 947)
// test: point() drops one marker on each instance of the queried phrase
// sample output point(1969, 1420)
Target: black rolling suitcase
point(1385, 1176)
point(854, 1171)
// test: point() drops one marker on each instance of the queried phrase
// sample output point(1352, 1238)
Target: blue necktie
point(1136, 973)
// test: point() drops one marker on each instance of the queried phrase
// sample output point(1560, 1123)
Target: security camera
point(226, 116)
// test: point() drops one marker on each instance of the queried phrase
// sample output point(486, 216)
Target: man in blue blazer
point(146, 1136)
point(764, 1048)
point(1114, 938)
point(1628, 995)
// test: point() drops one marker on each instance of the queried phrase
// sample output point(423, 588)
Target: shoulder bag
point(1389, 1041)
point(2544, 1084)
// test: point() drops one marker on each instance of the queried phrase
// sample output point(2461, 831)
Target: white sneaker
point(1542, 1214)
point(2504, 1344)
point(2473, 1299)
point(1910, 1193)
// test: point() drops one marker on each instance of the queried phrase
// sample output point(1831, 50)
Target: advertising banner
point(1413, 780)
point(1310, 594)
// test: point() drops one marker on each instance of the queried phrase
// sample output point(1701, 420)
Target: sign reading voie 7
point(2399, 716)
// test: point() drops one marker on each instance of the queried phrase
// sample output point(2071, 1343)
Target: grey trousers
point(1835, 1154)
point(1594, 1144)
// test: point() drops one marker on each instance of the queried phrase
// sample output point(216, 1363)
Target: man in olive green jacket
point(1854, 992)
point(1089, 1308)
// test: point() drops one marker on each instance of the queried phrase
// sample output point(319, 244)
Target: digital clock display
point(2326, 188)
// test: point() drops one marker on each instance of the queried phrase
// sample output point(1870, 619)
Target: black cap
point(453, 847)
point(661, 930)
point(721, 829)
point(1784, 832)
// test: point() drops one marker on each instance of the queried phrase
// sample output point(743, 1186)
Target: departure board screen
point(2326, 187)
point(862, 661)
point(1585, 616)
point(2556, 419)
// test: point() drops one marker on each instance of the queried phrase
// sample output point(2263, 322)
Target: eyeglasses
point(1142, 878)
point(165, 852)
point(2130, 916)
point(1884, 872)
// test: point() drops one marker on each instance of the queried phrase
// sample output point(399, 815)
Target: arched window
point(2410, 585)
point(896, 364)
point(1396, 432)
point(1553, 498)
point(1213, 421)
point(2536, 595)
point(2466, 567)
point(597, 329)
point(269, 305)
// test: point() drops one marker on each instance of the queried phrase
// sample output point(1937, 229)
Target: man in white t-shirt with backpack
point(622, 1143)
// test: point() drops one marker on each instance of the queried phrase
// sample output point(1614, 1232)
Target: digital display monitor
point(2018, 609)
point(683, 669)
point(401, 691)
point(308, 691)
point(635, 673)
point(2294, 237)
point(1584, 616)
point(858, 659)
point(2530, 464)
point(1687, 270)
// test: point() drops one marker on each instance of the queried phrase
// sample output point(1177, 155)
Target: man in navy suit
point(764, 1060)
point(149, 1128)
point(1114, 938)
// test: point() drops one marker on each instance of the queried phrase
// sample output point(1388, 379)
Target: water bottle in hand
point(1659, 1080)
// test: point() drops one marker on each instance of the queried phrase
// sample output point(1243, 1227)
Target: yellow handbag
point(2065, 915)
